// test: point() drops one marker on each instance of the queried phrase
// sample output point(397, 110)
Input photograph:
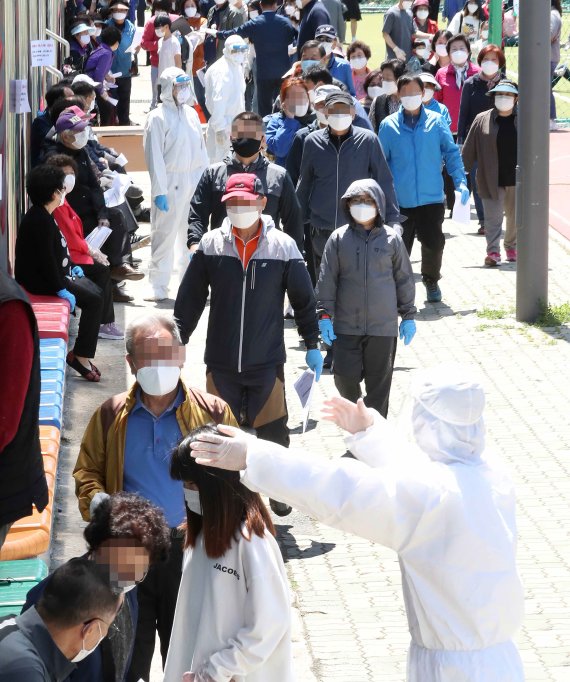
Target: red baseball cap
point(243, 186)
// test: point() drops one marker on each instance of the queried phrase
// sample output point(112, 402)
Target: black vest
point(22, 478)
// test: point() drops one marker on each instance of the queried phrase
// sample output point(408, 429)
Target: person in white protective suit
point(446, 507)
point(176, 157)
point(225, 88)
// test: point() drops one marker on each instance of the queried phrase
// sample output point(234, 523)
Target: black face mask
point(246, 146)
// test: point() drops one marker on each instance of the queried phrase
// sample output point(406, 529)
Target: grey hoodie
point(366, 278)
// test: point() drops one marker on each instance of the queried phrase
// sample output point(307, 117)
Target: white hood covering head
point(447, 415)
point(166, 80)
point(230, 42)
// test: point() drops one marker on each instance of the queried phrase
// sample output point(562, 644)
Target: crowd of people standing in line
point(313, 194)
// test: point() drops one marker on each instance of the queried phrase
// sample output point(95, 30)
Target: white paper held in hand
point(121, 160)
point(304, 389)
point(97, 237)
point(461, 213)
point(139, 30)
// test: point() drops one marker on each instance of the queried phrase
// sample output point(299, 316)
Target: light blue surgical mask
point(307, 63)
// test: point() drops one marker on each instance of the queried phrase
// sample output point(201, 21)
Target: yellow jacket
point(101, 459)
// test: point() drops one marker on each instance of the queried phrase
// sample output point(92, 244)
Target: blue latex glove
point(77, 271)
point(314, 360)
point(327, 331)
point(161, 202)
point(465, 193)
point(69, 297)
point(407, 331)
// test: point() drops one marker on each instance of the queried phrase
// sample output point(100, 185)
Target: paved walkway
point(348, 609)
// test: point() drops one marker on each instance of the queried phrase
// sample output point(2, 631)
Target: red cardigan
point(450, 94)
point(71, 227)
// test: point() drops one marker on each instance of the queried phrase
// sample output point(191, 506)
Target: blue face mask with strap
point(307, 63)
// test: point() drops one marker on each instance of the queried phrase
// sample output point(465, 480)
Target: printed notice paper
point(19, 103)
point(43, 52)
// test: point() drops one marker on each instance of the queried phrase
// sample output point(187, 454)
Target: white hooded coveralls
point(451, 519)
point(225, 88)
point(176, 157)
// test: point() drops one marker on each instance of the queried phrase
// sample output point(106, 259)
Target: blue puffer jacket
point(415, 157)
point(122, 59)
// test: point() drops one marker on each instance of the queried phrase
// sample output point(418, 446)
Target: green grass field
point(370, 31)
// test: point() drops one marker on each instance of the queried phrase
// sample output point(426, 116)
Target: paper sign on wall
point(43, 52)
point(19, 103)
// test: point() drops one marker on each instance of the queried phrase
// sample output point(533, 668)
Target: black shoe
point(280, 508)
point(328, 359)
point(143, 215)
point(120, 296)
point(138, 241)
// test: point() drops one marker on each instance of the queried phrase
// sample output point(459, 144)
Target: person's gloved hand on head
point(77, 271)
point(161, 202)
point(225, 450)
point(407, 331)
point(327, 330)
point(69, 297)
point(465, 193)
point(314, 361)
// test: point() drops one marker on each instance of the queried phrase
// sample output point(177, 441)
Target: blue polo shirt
point(148, 445)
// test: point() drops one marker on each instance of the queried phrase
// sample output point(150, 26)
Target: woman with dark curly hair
point(126, 535)
point(232, 615)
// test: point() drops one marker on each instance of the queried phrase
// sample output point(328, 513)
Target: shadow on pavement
point(291, 550)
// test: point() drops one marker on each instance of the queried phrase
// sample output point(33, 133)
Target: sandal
point(89, 374)
point(94, 369)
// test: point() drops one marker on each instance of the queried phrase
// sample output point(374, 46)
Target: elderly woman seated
point(44, 265)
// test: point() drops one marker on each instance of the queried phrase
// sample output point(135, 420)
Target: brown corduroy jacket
point(101, 459)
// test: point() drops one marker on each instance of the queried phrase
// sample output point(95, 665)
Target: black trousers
point(425, 223)
point(267, 91)
point(101, 276)
point(141, 7)
point(107, 114)
point(123, 93)
point(365, 357)
point(319, 239)
point(434, 9)
point(117, 248)
point(257, 399)
point(157, 596)
point(90, 298)
point(309, 258)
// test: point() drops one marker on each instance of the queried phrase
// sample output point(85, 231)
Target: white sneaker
point(110, 331)
point(156, 295)
point(553, 124)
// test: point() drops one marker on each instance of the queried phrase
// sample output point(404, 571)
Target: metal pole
point(496, 22)
point(533, 158)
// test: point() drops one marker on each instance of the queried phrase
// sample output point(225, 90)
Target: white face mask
point(128, 588)
point(159, 32)
point(363, 213)
point(459, 57)
point(300, 109)
point(485, 34)
point(98, 32)
point(472, 7)
point(158, 380)
point(339, 122)
point(289, 10)
point(160, 13)
point(504, 102)
point(92, 105)
point(183, 95)
point(80, 139)
point(242, 219)
point(83, 652)
point(358, 62)
point(375, 91)
point(69, 183)
point(327, 47)
point(421, 52)
point(62, 194)
point(190, 11)
point(389, 87)
point(84, 40)
point(192, 498)
point(253, 14)
point(299, 3)
point(321, 117)
point(119, 16)
point(422, 14)
point(407, 4)
point(411, 102)
point(237, 57)
point(428, 95)
point(441, 50)
point(489, 68)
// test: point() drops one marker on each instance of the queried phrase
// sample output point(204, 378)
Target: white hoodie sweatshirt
point(233, 614)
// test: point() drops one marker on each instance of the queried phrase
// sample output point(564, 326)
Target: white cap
point(84, 78)
point(428, 78)
point(80, 28)
point(323, 90)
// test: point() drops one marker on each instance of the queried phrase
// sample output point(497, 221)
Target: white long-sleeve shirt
point(452, 523)
point(233, 613)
